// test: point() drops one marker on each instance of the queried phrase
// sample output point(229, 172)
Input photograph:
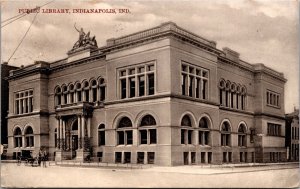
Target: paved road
point(56, 176)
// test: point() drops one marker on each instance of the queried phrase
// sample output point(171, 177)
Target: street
point(275, 176)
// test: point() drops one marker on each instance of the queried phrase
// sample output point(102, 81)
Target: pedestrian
point(39, 156)
point(44, 157)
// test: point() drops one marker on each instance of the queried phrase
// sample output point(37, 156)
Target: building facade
point(5, 69)
point(292, 135)
point(162, 96)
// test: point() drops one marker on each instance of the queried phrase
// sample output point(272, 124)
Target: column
point(82, 130)
point(83, 99)
point(58, 133)
point(79, 131)
point(99, 93)
point(63, 134)
point(89, 127)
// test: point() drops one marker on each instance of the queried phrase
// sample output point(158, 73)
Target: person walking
point(44, 157)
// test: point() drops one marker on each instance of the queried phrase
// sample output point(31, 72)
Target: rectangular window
point(118, 157)
point(194, 81)
point(151, 84)
point(129, 137)
point(201, 137)
point(152, 136)
point(183, 84)
point(123, 88)
point(206, 138)
point(190, 133)
point(127, 157)
point(121, 138)
point(182, 136)
point(141, 85)
point(143, 135)
point(151, 157)
point(137, 81)
point(272, 98)
point(101, 138)
point(273, 129)
point(140, 157)
point(191, 88)
point(100, 156)
point(132, 87)
point(203, 157)
point(229, 156)
point(193, 157)
point(209, 157)
point(24, 102)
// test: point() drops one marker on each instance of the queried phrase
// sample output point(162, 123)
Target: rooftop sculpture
point(84, 40)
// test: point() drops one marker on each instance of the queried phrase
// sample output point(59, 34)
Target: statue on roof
point(84, 39)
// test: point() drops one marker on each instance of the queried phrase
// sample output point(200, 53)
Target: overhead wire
point(15, 18)
point(23, 36)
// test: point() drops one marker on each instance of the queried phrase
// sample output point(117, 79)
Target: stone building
point(5, 69)
point(292, 135)
point(162, 96)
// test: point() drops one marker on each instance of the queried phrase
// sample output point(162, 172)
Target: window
point(118, 157)
point(86, 92)
point(65, 94)
point(274, 129)
point(101, 135)
point(127, 157)
point(124, 132)
point(186, 130)
point(71, 93)
point(242, 140)
point(225, 134)
point(78, 92)
point(272, 98)
point(24, 102)
point(140, 157)
point(102, 86)
point(194, 81)
point(232, 95)
point(150, 157)
point(147, 130)
point(204, 132)
point(58, 96)
point(29, 137)
point(137, 81)
point(18, 137)
point(94, 90)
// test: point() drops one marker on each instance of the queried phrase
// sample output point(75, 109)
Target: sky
point(262, 31)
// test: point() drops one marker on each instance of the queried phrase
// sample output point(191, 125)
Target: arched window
point(124, 132)
point(186, 131)
point(94, 90)
point(186, 121)
point(65, 94)
point(102, 86)
point(222, 91)
point(29, 137)
point(242, 140)
point(71, 93)
point(147, 130)
point(243, 98)
point(78, 92)
point(101, 135)
point(225, 134)
point(204, 132)
point(58, 96)
point(86, 92)
point(18, 137)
